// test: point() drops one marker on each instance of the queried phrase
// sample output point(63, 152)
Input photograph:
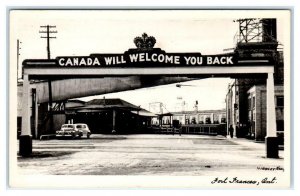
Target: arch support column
point(271, 136)
point(25, 145)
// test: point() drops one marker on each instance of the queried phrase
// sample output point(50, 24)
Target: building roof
point(110, 103)
point(199, 112)
point(97, 105)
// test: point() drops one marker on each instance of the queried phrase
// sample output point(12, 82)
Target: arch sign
point(144, 58)
point(147, 56)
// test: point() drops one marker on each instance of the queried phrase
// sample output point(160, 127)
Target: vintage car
point(85, 131)
point(74, 130)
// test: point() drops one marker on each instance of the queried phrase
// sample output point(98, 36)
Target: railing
point(204, 129)
point(201, 129)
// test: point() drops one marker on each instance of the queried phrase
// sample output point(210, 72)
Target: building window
point(223, 120)
point(207, 120)
point(253, 102)
point(280, 125)
point(249, 103)
point(279, 101)
point(235, 106)
point(193, 120)
point(19, 125)
point(249, 116)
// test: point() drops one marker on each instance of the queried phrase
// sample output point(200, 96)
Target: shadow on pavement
point(36, 155)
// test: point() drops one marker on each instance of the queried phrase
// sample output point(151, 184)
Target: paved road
point(147, 155)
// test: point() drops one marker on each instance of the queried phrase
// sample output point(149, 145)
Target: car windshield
point(67, 126)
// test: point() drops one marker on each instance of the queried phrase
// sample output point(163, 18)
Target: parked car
point(85, 131)
point(74, 130)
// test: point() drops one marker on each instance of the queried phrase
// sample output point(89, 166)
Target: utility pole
point(47, 35)
point(18, 54)
point(46, 32)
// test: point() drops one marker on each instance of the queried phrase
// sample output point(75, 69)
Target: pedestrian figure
point(231, 131)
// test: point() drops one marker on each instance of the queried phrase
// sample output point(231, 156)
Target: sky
point(85, 32)
point(206, 92)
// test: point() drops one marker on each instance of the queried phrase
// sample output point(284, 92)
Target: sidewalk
point(258, 145)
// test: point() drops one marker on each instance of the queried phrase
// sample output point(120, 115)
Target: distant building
point(246, 111)
point(192, 117)
point(205, 122)
point(107, 115)
point(201, 117)
point(101, 115)
point(257, 111)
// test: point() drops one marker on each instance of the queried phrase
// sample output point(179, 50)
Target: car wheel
point(88, 136)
